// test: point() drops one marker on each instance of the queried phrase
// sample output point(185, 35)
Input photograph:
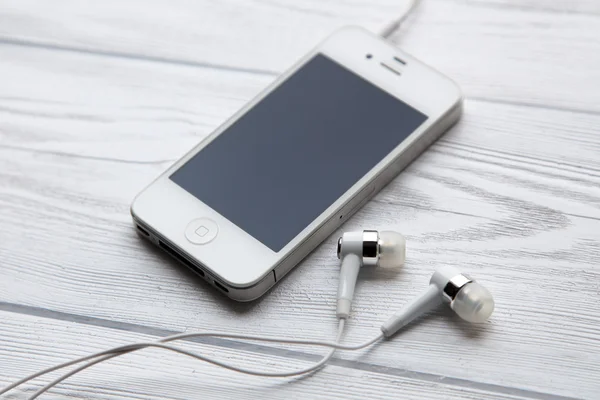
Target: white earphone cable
point(133, 347)
point(121, 350)
point(111, 353)
point(387, 31)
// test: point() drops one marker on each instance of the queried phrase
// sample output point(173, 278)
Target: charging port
point(181, 258)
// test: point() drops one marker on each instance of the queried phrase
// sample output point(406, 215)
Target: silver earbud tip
point(392, 249)
point(473, 303)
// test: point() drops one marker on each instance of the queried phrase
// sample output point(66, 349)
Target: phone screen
point(291, 156)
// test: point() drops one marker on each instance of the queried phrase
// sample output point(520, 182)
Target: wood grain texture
point(578, 7)
point(509, 54)
point(488, 198)
point(510, 195)
point(502, 53)
point(157, 374)
point(260, 35)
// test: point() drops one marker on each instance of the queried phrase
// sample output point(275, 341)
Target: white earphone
point(471, 301)
point(369, 248)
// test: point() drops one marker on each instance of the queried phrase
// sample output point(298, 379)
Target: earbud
point(471, 301)
point(382, 249)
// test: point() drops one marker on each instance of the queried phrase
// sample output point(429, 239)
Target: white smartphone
point(262, 191)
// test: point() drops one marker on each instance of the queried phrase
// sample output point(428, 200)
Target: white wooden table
point(98, 97)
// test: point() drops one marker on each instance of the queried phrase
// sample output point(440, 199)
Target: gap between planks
point(279, 352)
point(133, 57)
point(252, 71)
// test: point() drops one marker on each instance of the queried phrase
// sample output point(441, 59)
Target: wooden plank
point(33, 343)
point(509, 54)
point(477, 200)
point(262, 35)
point(138, 111)
point(502, 53)
point(578, 6)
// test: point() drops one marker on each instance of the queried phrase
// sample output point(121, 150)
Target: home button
point(201, 231)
